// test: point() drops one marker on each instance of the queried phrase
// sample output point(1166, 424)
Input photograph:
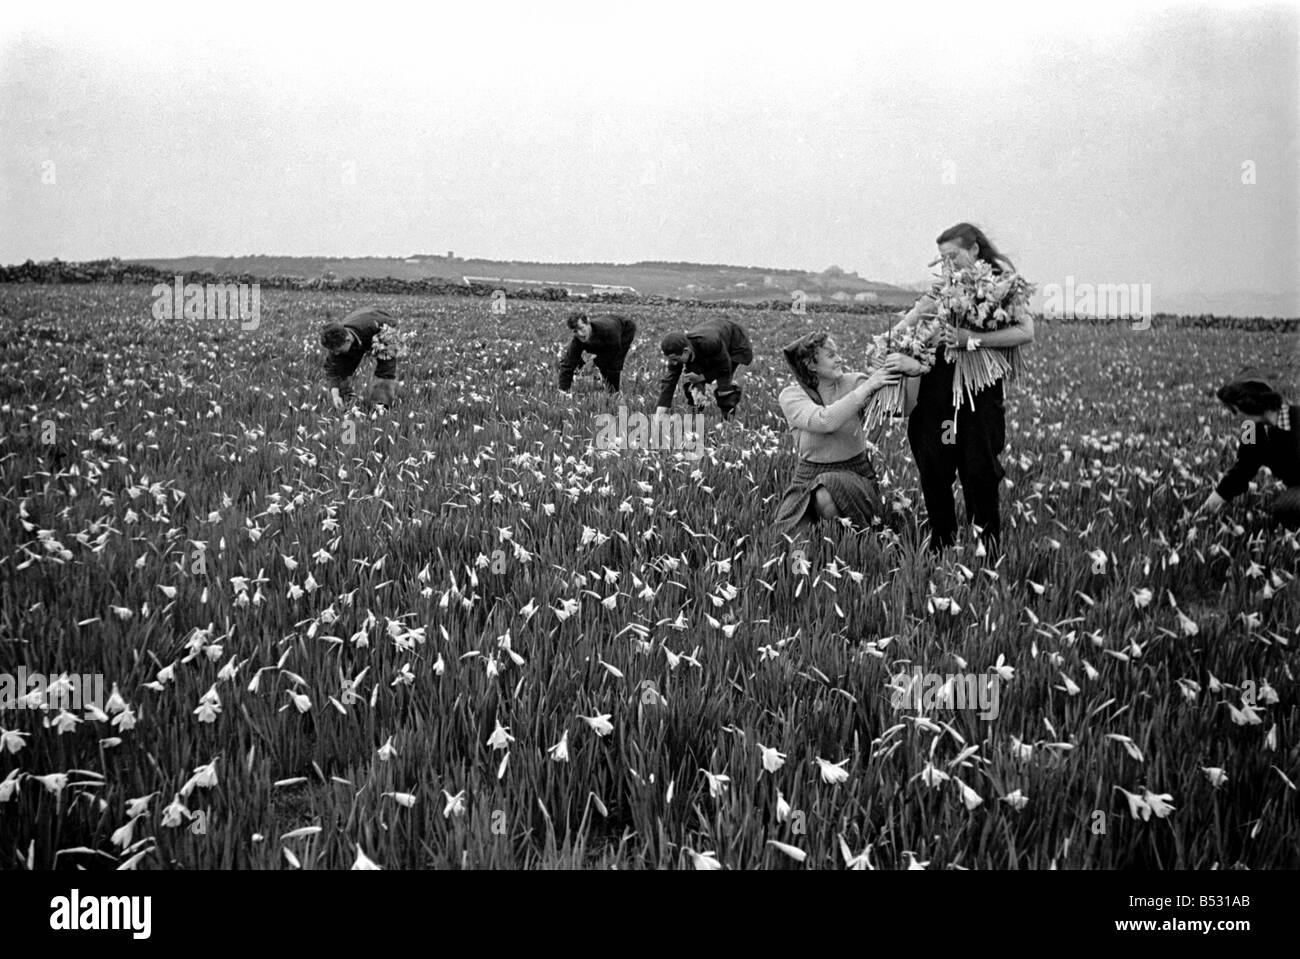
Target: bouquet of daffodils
point(918, 342)
point(977, 299)
point(390, 343)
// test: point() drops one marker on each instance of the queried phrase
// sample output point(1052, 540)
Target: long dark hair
point(800, 353)
point(969, 235)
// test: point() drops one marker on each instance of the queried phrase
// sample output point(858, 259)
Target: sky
point(1133, 142)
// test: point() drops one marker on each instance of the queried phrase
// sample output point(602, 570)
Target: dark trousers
point(611, 377)
point(1284, 510)
point(727, 398)
point(966, 444)
point(335, 381)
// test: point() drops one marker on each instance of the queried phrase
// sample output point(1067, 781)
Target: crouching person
point(1270, 437)
point(607, 338)
point(835, 477)
point(346, 343)
point(712, 352)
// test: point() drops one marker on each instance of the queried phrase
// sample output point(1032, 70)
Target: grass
point(430, 538)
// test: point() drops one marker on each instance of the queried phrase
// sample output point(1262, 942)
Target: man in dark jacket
point(712, 352)
point(1270, 437)
point(346, 343)
point(608, 338)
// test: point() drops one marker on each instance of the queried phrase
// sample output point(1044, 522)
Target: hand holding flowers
point(900, 352)
point(881, 379)
point(904, 364)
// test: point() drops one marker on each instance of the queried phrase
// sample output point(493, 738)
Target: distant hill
point(703, 281)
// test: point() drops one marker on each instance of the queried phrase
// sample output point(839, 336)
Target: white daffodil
point(772, 760)
point(599, 723)
point(560, 751)
point(500, 738)
point(833, 773)
point(718, 783)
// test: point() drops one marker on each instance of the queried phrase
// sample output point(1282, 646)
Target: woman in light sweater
point(834, 477)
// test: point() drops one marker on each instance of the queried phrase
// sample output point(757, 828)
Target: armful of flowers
point(975, 298)
point(918, 342)
point(390, 343)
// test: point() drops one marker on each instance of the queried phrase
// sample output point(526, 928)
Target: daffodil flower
point(500, 738)
point(969, 797)
point(1158, 803)
point(560, 751)
point(364, 862)
point(1004, 672)
point(718, 783)
point(9, 785)
point(1137, 806)
point(703, 860)
point(1016, 800)
point(833, 773)
point(599, 723)
point(772, 760)
point(53, 782)
point(455, 805)
point(932, 776)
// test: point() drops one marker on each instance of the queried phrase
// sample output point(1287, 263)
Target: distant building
point(840, 297)
point(866, 298)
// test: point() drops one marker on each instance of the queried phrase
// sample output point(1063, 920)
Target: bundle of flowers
point(919, 342)
point(390, 343)
point(979, 300)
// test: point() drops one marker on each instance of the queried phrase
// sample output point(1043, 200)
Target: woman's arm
point(926, 304)
point(804, 414)
point(1018, 334)
point(902, 363)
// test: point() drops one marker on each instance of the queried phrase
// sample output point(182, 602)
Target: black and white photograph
point(485, 439)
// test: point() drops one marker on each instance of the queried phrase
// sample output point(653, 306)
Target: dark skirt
point(851, 483)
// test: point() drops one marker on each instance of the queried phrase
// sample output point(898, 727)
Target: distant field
point(683, 281)
point(372, 596)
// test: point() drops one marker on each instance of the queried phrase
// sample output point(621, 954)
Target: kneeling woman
point(834, 477)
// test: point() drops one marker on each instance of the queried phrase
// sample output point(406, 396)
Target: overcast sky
point(1106, 142)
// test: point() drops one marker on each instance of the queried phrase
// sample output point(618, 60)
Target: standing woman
point(971, 451)
point(834, 477)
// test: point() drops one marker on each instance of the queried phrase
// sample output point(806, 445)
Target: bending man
point(712, 352)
